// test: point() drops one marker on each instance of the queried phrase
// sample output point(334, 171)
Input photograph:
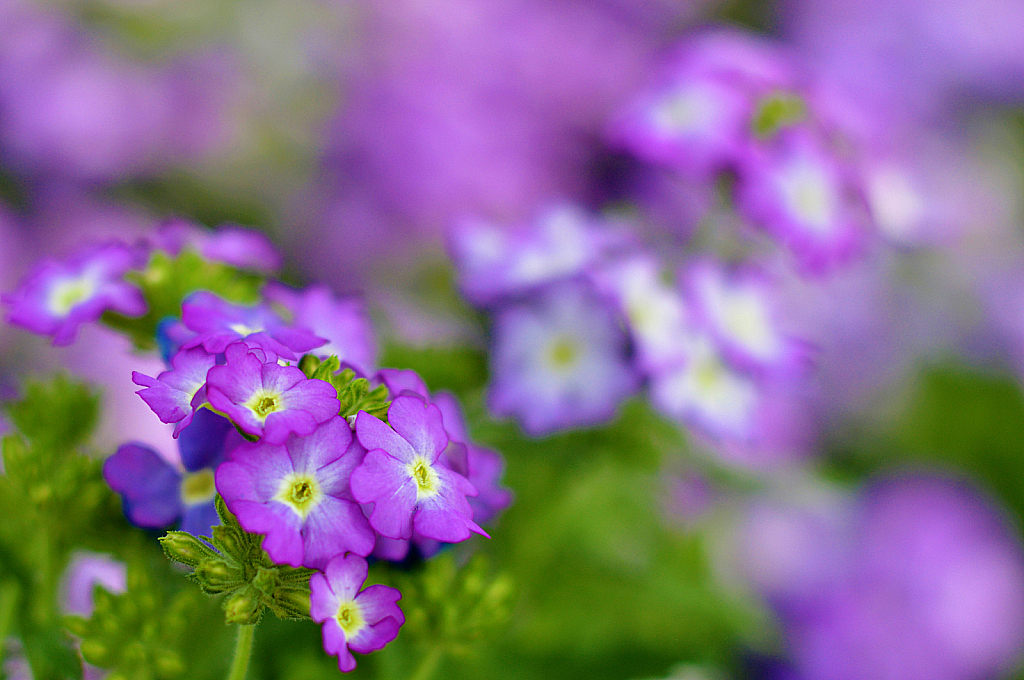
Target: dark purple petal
point(206, 441)
point(199, 519)
point(149, 486)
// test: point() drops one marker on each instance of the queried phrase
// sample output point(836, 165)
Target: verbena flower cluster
point(260, 397)
point(589, 307)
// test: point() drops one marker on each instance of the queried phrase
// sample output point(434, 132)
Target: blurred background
point(787, 439)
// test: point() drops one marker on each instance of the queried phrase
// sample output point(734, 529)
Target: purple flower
point(923, 579)
point(741, 311)
point(559, 360)
point(402, 381)
point(60, 296)
point(344, 322)
point(236, 246)
point(269, 400)
point(84, 572)
point(495, 262)
point(353, 620)
point(411, 489)
point(800, 192)
point(297, 494)
point(155, 494)
point(176, 394)
point(219, 323)
point(655, 311)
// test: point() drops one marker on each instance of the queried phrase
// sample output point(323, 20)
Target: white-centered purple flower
point(741, 311)
point(654, 309)
point(156, 494)
point(707, 392)
point(798, 190)
point(353, 620)
point(344, 322)
point(57, 297)
point(233, 245)
point(496, 262)
point(176, 394)
point(297, 495)
point(218, 323)
point(559, 360)
point(266, 399)
point(404, 477)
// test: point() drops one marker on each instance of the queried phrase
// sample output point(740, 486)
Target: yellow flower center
point(262, 404)
point(350, 618)
point(198, 487)
point(422, 472)
point(300, 492)
point(563, 352)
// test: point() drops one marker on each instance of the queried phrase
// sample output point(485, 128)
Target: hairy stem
point(243, 650)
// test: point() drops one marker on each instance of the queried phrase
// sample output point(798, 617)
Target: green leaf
point(56, 414)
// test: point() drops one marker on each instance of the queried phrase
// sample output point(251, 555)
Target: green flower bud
point(216, 576)
point(243, 607)
point(185, 548)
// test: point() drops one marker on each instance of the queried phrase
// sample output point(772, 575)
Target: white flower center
point(66, 294)
point(689, 111)
point(809, 196)
point(245, 329)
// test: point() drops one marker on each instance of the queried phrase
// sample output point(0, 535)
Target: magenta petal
point(373, 433)
point(323, 603)
point(378, 602)
point(346, 575)
point(333, 528)
point(420, 424)
point(384, 481)
point(279, 526)
point(372, 638)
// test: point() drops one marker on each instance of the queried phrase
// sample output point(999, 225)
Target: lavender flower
point(176, 394)
point(656, 312)
point(156, 494)
point(353, 620)
point(236, 246)
point(58, 297)
point(344, 322)
point(401, 474)
point(496, 262)
point(297, 494)
point(219, 323)
point(741, 311)
point(800, 192)
point(84, 572)
point(559, 360)
point(266, 399)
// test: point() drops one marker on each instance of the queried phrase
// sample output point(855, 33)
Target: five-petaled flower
point(352, 620)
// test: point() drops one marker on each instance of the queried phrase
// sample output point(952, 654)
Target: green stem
point(428, 665)
point(243, 650)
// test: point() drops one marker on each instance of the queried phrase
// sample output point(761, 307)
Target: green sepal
point(354, 393)
point(237, 567)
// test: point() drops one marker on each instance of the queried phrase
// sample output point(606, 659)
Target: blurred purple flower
point(58, 297)
point(353, 620)
point(559, 360)
point(496, 262)
point(297, 495)
point(84, 572)
point(344, 322)
point(219, 323)
point(236, 246)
